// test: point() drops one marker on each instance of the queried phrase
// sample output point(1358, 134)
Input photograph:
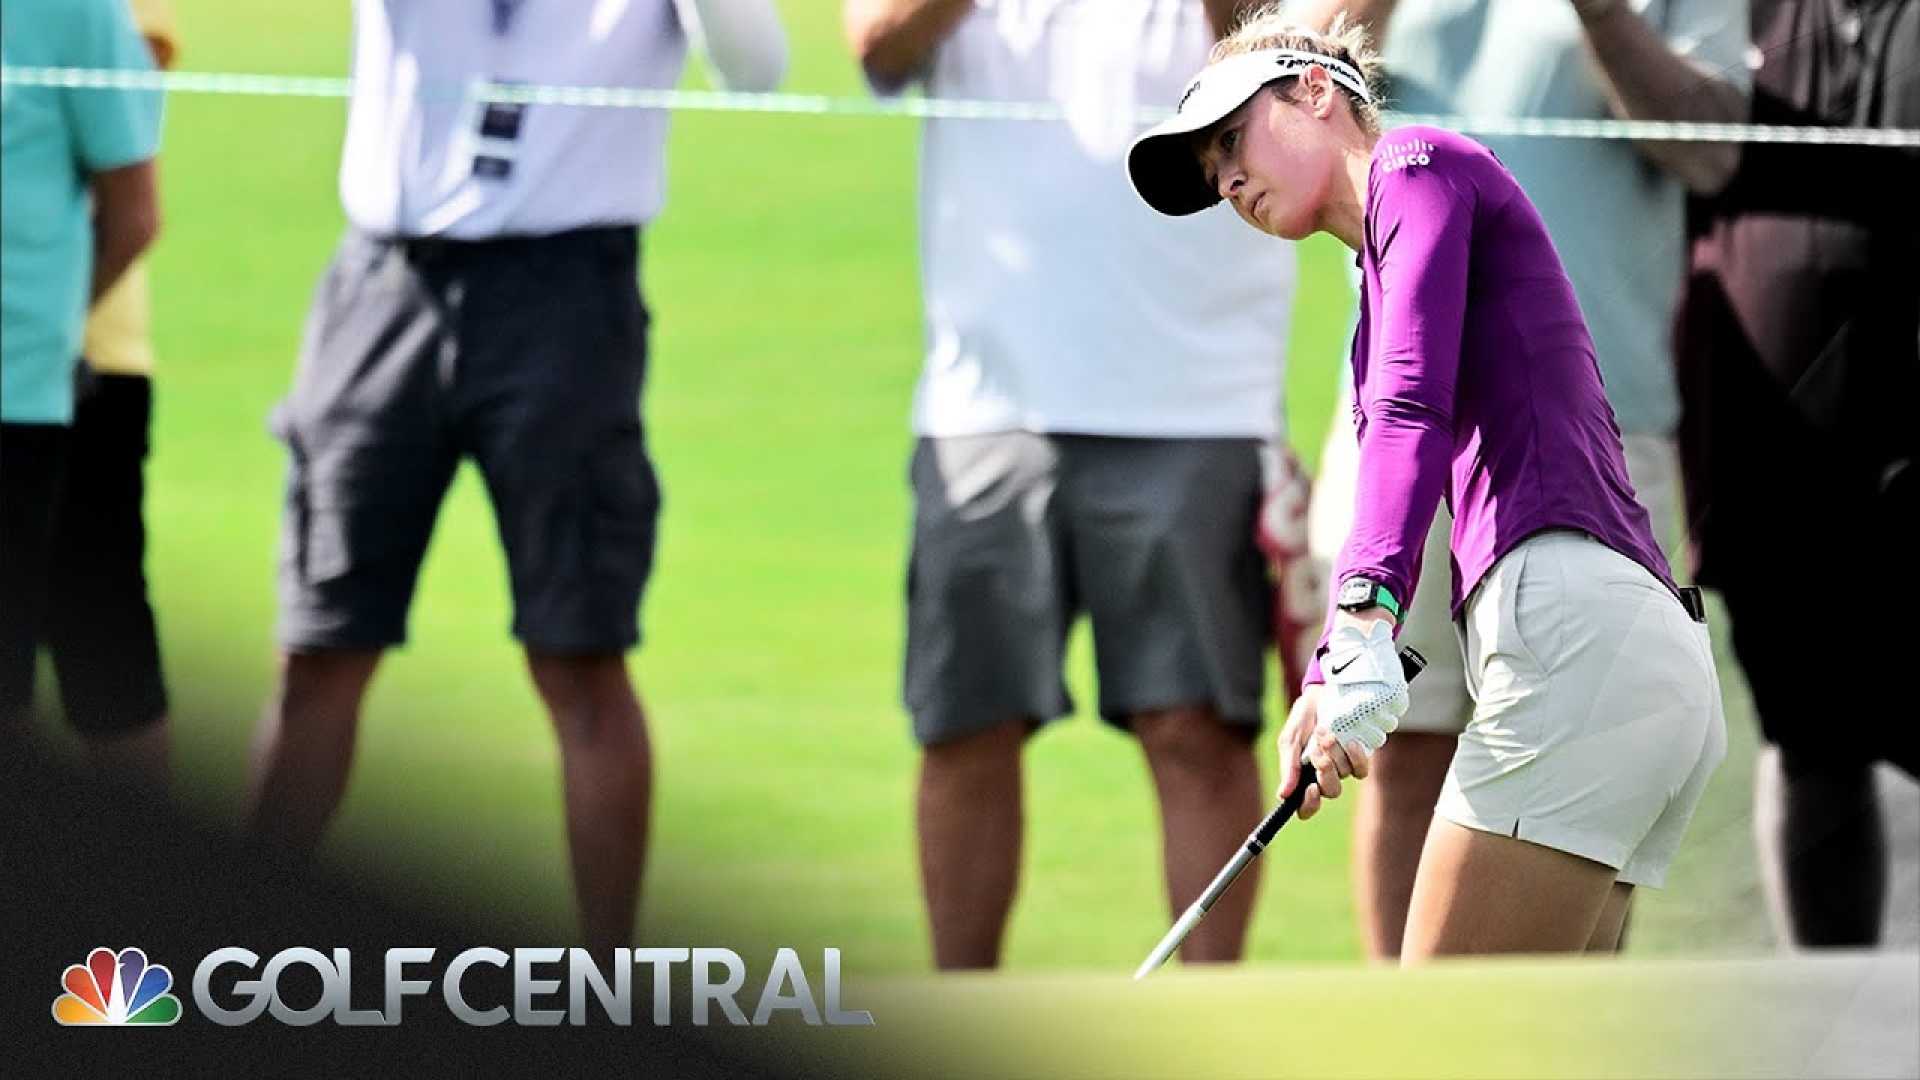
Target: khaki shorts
point(1439, 702)
point(1597, 717)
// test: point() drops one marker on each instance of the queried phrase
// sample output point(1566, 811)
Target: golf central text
point(530, 987)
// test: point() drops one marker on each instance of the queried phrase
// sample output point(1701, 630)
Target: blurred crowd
point(1099, 420)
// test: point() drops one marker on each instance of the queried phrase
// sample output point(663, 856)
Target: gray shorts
point(1015, 534)
point(526, 354)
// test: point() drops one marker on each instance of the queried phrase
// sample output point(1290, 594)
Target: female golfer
point(1597, 711)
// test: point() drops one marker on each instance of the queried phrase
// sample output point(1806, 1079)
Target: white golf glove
point(1366, 691)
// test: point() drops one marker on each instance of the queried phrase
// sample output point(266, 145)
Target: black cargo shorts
point(526, 354)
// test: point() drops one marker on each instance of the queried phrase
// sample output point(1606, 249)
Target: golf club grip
point(1411, 665)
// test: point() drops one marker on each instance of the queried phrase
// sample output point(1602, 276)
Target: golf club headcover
point(1366, 688)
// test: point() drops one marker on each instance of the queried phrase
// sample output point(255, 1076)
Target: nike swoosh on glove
point(1366, 691)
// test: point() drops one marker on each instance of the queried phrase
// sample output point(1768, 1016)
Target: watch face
point(1355, 592)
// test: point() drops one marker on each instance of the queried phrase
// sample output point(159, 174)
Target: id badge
point(496, 137)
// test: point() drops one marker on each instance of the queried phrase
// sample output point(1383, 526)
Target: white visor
point(1165, 171)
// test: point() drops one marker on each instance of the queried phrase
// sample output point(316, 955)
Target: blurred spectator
point(1799, 344)
point(1616, 214)
point(99, 625)
point(484, 305)
point(1091, 422)
point(57, 256)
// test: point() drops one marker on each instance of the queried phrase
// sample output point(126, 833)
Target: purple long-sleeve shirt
point(1474, 378)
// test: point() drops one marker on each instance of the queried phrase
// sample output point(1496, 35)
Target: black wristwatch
point(1359, 594)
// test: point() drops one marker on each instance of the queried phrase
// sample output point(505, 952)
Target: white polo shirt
point(412, 138)
point(1055, 300)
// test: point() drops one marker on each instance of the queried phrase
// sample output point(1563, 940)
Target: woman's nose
point(1230, 183)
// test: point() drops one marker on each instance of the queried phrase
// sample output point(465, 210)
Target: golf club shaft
point(1411, 663)
point(1188, 920)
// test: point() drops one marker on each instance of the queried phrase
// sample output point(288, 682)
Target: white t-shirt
point(1057, 301)
point(413, 139)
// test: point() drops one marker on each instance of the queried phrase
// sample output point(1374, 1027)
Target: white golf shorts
point(1597, 717)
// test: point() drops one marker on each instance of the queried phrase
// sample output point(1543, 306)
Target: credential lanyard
point(496, 145)
point(503, 13)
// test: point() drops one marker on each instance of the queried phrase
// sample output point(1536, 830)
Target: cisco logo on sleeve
point(1403, 155)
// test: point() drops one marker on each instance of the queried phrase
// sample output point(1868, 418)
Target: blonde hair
point(1271, 26)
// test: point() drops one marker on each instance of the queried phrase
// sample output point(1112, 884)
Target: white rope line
point(302, 86)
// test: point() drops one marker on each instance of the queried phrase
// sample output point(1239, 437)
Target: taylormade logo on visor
point(1247, 72)
point(550, 986)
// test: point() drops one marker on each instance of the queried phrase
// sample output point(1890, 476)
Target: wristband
point(1359, 594)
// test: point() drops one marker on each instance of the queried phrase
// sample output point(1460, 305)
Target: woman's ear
point(1320, 91)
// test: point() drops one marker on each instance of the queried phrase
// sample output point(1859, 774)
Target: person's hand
point(1302, 738)
point(1295, 736)
point(1366, 690)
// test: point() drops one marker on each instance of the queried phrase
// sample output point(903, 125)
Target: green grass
point(783, 277)
point(1530, 1019)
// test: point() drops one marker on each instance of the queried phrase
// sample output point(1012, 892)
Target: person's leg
point(606, 771)
point(1609, 934)
point(1816, 818)
point(1823, 858)
point(1597, 723)
point(100, 628)
point(1389, 831)
point(1163, 535)
point(303, 750)
point(369, 462)
point(553, 364)
point(969, 817)
point(1396, 803)
point(32, 462)
point(1403, 784)
point(1208, 781)
point(1900, 815)
point(1480, 893)
point(989, 601)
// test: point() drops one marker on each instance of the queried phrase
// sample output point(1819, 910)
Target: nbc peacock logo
point(116, 989)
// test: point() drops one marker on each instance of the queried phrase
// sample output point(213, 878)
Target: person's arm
point(162, 50)
point(126, 218)
point(1372, 14)
point(1408, 397)
point(116, 137)
point(1647, 80)
point(741, 39)
point(894, 39)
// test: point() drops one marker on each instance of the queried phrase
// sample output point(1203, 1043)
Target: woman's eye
point(1229, 139)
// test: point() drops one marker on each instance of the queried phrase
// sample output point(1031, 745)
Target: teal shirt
point(1616, 219)
point(51, 142)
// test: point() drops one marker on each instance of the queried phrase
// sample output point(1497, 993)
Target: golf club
point(1412, 663)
